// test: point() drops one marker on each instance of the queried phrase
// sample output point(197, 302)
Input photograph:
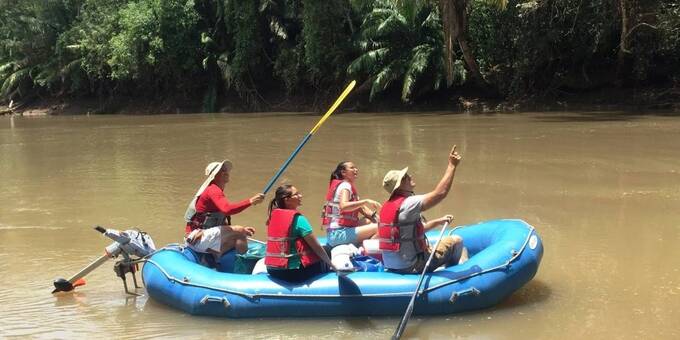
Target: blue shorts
point(340, 236)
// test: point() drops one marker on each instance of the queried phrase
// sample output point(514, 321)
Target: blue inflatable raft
point(504, 255)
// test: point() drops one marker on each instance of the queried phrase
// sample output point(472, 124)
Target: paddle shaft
point(308, 136)
point(286, 163)
point(409, 310)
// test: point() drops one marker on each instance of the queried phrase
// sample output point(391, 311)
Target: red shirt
point(213, 200)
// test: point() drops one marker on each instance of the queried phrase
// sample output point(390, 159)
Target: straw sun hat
point(392, 179)
point(210, 171)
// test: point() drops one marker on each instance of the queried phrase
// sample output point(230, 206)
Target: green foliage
point(212, 48)
point(284, 19)
point(155, 41)
point(667, 54)
point(28, 34)
point(401, 42)
point(243, 65)
point(669, 27)
point(325, 41)
point(546, 45)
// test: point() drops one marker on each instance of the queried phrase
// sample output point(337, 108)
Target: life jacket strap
point(279, 239)
point(208, 220)
point(401, 240)
point(345, 216)
point(284, 255)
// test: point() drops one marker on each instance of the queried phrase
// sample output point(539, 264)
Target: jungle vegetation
point(406, 50)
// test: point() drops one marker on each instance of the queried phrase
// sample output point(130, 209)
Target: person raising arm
point(402, 229)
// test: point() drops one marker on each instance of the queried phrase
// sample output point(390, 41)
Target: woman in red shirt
point(209, 228)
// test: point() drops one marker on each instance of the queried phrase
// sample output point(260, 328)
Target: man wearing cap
point(209, 228)
point(402, 229)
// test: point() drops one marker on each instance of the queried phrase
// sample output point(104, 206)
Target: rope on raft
point(186, 281)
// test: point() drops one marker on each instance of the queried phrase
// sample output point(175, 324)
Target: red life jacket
point(345, 219)
point(389, 228)
point(207, 220)
point(279, 231)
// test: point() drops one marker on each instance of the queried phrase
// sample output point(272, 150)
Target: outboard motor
point(133, 245)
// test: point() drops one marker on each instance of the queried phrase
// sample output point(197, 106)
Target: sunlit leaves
point(401, 41)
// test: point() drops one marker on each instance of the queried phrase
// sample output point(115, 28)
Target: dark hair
point(282, 193)
point(337, 173)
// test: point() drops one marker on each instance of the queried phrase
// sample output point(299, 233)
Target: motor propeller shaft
point(128, 243)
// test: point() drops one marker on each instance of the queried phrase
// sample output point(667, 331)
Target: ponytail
point(277, 202)
point(337, 173)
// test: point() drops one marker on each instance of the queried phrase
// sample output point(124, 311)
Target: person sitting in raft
point(209, 228)
point(402, 228)
point(293, 253)
point(340, 214)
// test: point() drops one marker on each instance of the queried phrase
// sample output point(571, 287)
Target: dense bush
point(213, 48)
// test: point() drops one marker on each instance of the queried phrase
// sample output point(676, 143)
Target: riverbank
point(639, 99)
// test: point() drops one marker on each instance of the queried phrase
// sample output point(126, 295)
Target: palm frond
point(46, 77)
point(266, 5)
point(368, 45)
point(71, 67)
point(420, 60)
point(392, 25)
point(368, 61)
point(7, 68)
point(13, 80)
point(373, 21)
point(409, 36)
point(385, 78)
point(278, 29)
point(432, 22)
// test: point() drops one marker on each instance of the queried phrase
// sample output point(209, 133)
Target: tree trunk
point(448, 20)
point(455, 25)
point(624, 7)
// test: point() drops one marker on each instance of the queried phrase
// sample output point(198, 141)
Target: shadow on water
point(535, 291)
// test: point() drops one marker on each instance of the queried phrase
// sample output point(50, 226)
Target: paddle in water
point(409, 309)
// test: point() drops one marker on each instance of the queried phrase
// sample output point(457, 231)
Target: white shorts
point(211, 239)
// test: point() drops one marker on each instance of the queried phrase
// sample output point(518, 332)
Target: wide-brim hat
point(210, 171)
point(392, 179)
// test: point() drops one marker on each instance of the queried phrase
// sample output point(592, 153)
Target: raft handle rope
point(470, 291)
point(316, 296)
point(516, 254)
point(187, 282)
point(219, 299)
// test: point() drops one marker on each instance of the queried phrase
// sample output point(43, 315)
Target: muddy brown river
point(601, 188)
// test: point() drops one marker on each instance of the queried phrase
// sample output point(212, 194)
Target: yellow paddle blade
point(335, 106)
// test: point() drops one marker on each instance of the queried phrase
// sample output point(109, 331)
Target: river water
point(602, 189)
